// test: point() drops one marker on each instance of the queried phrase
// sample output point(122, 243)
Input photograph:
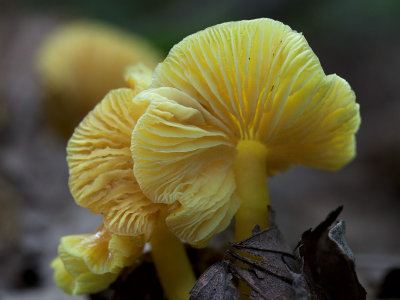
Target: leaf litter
point(320, 267)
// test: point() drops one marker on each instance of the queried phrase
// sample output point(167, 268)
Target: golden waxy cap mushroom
point(228, 106)
point(101, 167)
point(89, 263)
point(80, 62)
point(102, 180)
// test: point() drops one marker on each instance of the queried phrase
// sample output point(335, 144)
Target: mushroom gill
point(101, 167)
point(102, 180)
point(222, 94)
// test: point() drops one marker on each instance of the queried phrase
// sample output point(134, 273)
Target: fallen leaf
point(215, 284)
point(322, 268)
point(328, 262)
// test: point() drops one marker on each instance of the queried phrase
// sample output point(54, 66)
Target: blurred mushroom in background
point(80, 62)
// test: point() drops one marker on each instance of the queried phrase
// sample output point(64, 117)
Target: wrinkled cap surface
point(248, 80)
point(89, 263)
point(101, 166)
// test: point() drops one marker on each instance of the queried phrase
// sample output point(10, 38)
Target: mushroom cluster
point(183, 151)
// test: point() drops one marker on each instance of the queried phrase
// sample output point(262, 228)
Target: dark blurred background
point(359, 40)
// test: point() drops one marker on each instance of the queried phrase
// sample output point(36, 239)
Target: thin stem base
point(172, 264)
point(252, 188)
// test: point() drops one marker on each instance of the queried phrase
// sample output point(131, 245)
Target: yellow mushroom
point(101, 167)
point(89, 263)
point(80, 62)
point(228, 106)
point(102, 180)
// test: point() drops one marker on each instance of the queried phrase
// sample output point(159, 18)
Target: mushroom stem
point(172, 264)
point(251, 178)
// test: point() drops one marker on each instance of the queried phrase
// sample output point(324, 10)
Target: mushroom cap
point(83, 282)
point(101, 167)
point(248, 80)
point(188, 157)
point(80, 62)
point(89, 263)
point(138, 76)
